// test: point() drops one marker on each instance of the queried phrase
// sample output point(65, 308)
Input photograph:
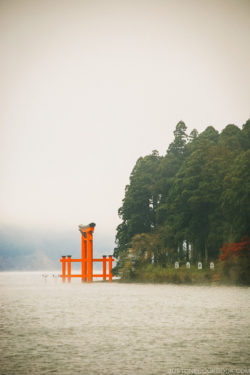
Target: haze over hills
point(87, 88)
point(28, 249)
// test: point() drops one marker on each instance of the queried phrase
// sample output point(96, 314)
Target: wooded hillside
point(186, 204)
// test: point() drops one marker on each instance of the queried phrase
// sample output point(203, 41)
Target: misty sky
point(87, 87)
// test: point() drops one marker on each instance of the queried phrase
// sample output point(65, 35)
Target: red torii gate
point(86, 259)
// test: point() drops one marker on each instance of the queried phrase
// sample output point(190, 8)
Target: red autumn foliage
point(239, 249)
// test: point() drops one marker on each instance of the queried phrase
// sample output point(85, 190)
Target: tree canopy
point(186, 204)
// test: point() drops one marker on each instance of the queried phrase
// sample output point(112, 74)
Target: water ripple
point(101, 328)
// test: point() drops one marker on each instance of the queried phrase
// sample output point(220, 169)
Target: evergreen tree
point(177, 147)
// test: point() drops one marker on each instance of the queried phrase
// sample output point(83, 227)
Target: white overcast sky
point(87, 87)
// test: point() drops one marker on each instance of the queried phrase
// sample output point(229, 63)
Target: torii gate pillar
point(87, 251)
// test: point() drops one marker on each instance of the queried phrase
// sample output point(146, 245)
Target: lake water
point(48, 327)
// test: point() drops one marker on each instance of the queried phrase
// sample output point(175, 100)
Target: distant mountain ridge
point(29, 250)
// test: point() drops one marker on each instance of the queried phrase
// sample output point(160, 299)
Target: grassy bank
point(157, 274)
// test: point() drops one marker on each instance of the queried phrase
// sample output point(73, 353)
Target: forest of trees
point(185, 205)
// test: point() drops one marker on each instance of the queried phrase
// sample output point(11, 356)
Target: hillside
point(183, 206)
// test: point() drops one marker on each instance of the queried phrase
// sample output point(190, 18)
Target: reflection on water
point(110, 328)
